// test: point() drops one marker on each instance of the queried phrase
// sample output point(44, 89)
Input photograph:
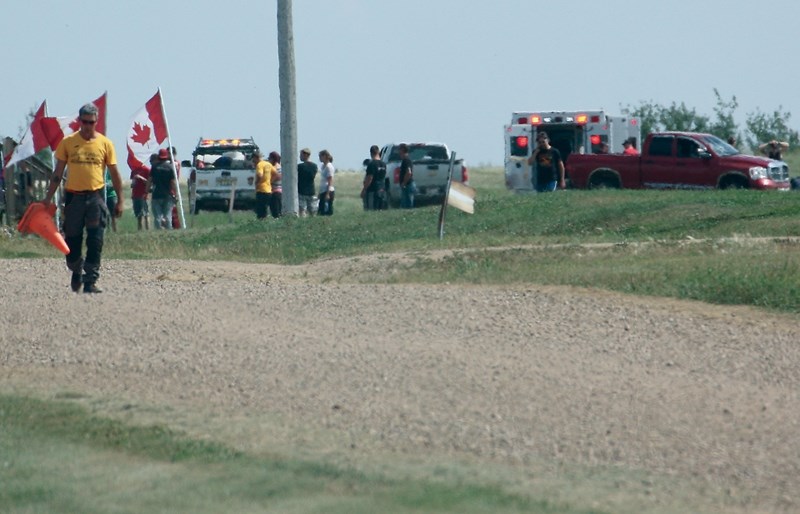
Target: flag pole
point(105, 171)
point(172, 161)
point(57, 193)
point(443, 212)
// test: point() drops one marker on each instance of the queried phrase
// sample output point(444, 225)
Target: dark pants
point(276, 204)
point(85, 211)
point(262, 201)
point(325, 205)
point(375, 200)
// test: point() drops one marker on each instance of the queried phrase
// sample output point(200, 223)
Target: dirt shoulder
point(522, 381)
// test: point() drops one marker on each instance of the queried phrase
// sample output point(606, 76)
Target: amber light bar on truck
point(222, 142)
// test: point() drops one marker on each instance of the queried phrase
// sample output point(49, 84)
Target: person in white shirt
point(326, 191)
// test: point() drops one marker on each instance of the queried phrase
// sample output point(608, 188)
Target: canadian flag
point(148, 130)
point(55, 128)
point(33, 141)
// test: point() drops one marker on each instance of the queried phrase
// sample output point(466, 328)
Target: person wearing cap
point(549, 171)
point(87, 153)
point(264, 171)
point(162, 185)
point(276, 177)
point(629, 146)
point(306, 173)
point(139, 192)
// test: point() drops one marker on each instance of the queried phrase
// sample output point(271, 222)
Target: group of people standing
point(159, 183)
point(269, 190)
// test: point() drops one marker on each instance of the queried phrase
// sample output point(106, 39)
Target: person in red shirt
point(139, 193)
point(630, 147)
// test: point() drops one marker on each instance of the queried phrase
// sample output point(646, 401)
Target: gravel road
point(528, 379)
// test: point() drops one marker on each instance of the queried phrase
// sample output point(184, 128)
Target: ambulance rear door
point(518, 141)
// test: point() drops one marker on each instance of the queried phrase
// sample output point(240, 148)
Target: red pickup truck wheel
point(604, 180)
point(733, 183)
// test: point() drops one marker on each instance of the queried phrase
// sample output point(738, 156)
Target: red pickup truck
point(678, 160)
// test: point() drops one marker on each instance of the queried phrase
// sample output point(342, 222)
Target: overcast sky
point(375, 71)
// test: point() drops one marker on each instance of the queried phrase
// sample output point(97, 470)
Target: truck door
point(691, 171)
point(658, 163)
point(518, 148)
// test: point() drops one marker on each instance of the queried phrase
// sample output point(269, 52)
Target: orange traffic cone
point(38, 218)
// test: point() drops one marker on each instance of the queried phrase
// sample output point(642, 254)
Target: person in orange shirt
point(629, 147)
point(85, 154)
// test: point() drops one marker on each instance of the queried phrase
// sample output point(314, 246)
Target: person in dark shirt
point(407, 186)
point(549, 171)
point(306, 174)
point(374, 193)
point(162, 181)
point(774, 149)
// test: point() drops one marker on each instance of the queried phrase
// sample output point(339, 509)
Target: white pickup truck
point(218, 166)
point(431, 165)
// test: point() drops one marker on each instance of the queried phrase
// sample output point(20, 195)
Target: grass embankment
point(557, 233)
point(55, 457)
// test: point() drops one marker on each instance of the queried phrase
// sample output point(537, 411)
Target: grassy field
point(686, 244)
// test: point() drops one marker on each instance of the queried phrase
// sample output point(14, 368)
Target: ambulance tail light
point(519, 146)
point(536, 120)
point(595, 139)
point(522, 121)
point(464, 175)
point(581, 119)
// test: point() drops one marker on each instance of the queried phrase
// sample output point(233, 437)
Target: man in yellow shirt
point(85, 154)
point(264, 172)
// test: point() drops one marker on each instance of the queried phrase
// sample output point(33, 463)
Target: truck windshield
point(719, 146)
point(224, 158)
point(421, 152)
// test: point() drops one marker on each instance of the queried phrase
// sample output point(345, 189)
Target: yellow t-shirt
point(264, 172)
point(86, 161)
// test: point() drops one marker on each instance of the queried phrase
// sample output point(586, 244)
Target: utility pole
point(288, 87)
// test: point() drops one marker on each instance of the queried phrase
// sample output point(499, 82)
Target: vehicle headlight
point(758, 172)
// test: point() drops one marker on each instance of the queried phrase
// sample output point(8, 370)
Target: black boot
point(89, 287)
point(75, 283)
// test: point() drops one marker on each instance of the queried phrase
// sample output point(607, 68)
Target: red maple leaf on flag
point(74, 125)
point(141, 134)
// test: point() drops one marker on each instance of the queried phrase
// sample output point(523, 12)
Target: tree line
point(759, 127)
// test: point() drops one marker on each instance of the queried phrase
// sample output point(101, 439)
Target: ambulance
point(585, 132)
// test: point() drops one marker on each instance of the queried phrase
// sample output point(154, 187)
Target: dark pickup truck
point(678, 160)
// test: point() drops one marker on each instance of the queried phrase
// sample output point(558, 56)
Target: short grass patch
point(56, 457)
